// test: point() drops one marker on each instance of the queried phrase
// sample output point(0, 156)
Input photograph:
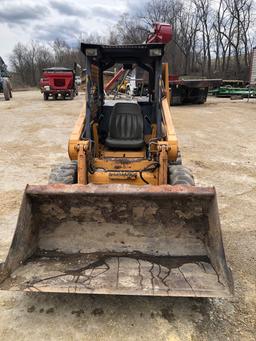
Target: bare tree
point(130, 30)
point(209, 38)
point(186, 38)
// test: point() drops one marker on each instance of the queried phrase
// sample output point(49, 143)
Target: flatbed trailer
point(195, 91)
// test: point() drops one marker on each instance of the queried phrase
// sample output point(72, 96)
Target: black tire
point(176, 100)
point(65, 173)
point(6, 90)
point(10, 93)
point(46, 96)
point(174, 169)
point(71, 95)
point(200, 100)
point(180, 175)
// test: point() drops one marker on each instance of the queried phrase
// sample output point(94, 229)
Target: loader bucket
point(118, 239)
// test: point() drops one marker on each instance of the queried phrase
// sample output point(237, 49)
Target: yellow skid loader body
point(121, 228)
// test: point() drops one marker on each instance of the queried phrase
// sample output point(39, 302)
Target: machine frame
point(123, 165)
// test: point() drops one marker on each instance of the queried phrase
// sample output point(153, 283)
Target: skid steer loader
point(124, 216)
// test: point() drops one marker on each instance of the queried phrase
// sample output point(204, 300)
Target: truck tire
point(6, 90)
point(176, 100)
point(65, 173)
point(46, 96)
point(180, 175)
point(200, 100)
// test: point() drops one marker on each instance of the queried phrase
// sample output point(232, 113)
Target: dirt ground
point(218, 143)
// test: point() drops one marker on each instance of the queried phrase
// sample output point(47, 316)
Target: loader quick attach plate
point(118, 239)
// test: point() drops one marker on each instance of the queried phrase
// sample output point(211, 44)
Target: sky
point(46, 20)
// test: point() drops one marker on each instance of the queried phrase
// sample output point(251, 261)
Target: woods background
point(211, 38)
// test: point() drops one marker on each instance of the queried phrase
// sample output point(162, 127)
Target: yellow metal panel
point(82, 166)
point(74, 138)
point(124, 154)
point(121, 164)
point(171, 137)
point(102, 178)
point(163, 169)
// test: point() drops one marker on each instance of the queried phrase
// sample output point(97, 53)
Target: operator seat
point(126, 129)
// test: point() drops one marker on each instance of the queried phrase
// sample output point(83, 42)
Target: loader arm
point(171, 138)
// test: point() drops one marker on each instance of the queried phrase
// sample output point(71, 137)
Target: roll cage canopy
point(105, 56)
point(146, 56)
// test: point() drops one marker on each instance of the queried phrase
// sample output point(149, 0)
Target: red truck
point(58, 82)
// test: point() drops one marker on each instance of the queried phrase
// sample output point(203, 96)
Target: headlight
point(47, 88)
point(91, 52)
point(155, 52)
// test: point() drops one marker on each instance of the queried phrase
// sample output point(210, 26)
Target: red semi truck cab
point(58, 82)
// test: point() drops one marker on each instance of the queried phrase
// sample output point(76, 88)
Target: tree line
point(28, 60)
point(210, 39)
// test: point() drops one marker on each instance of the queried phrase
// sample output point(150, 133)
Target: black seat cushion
point(125, 127)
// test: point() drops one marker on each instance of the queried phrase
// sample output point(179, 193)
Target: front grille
point(59, 82)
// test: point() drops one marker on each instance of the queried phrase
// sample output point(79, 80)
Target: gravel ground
point(218, 143)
